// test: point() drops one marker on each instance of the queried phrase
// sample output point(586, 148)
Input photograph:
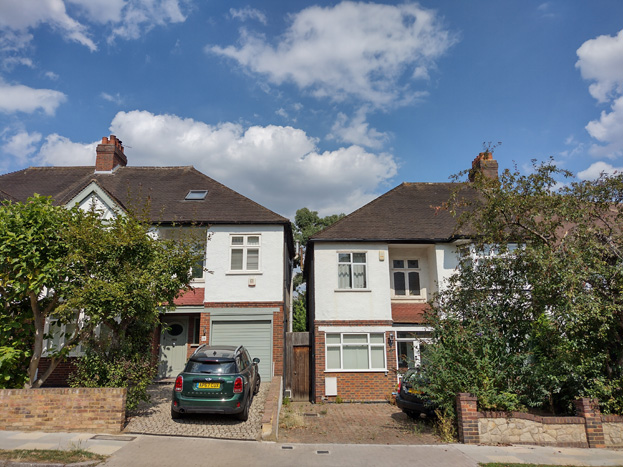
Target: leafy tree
point(82, 271)
point(306, 223)
point(534, 315)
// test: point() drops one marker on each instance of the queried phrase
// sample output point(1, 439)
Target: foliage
point(16, 340)
point(81, 270)
point(534, 316)
point(300, 314)
point(113, 363)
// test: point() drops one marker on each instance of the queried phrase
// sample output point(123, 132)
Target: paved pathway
point(155, 418)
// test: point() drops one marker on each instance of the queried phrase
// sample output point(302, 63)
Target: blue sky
point(318, 104)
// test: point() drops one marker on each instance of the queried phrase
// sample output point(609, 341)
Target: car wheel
point(412, 414)
point(257, 387)
point(244, 415)
point(175, 415)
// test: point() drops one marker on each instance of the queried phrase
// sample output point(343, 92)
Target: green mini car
point(217, 380)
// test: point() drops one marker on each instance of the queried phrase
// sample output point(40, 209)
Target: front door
point(173, 346)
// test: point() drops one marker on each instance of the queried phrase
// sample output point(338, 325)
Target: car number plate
point(208, 385)
point(414, 391)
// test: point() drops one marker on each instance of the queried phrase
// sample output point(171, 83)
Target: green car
point(217, 379)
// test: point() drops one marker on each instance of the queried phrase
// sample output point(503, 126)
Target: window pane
point(197, 270)
point(355, 338)
point(343, 257)
point(377, 354)
point(399, 283)
point(413, 264)
point(237, 240)
point(406, 357)
point(253, 259)
point(333, 339)
point(399, 264)
point(236, 259)
point(356, 357)
point(414, 283)
point(377, 338)
point(343, 276)
point(359, 276)
point(359, 257)
point(333, 358)
point(254, 240)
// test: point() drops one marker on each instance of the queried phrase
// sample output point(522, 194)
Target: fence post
point(467, 412)
point(589, 410)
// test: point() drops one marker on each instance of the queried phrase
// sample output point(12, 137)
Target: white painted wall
point(446, 262)
point(356, 304)
point(223, 285)
point(423, 254)
point(94, 201)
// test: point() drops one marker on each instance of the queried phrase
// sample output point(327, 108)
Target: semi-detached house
point(242, 296)
point(369, 278)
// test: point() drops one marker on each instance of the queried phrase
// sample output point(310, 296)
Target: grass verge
point(55, 456)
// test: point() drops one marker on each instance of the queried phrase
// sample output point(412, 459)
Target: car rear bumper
point(414, 406)
point(183, 404)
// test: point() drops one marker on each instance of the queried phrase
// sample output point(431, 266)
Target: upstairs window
point(406, 278)
point(351, 271)
point(245, 253)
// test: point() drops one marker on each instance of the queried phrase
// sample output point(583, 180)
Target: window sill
point(356, 371)
point(243, 273)
point(400, 298)
point(353, 290)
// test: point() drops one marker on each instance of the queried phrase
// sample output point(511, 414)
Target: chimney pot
point(110, 155)
point(486, 165)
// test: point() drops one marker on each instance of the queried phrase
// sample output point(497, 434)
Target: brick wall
point(355, 385)
point(588, 429)
point(63, 409)
point(59, 376)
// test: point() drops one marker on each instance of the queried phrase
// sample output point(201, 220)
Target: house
point(369, 278)
point(242, 298)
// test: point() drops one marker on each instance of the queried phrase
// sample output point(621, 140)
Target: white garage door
point(255, 335)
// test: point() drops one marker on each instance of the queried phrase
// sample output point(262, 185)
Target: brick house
point(369, 278)
point(245, 296)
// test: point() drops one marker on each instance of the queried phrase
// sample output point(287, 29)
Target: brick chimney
point(110, 155)
point(485, 164)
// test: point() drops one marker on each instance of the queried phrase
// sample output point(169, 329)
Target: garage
point(256, 335)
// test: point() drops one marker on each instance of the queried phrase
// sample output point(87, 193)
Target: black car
point(217, 379)
point(412, 401)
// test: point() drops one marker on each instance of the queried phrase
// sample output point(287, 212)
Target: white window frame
point(245, 247)
point(406, 270)
point(369, 344)
point(415, 342)
point(351, 263)
point(77, 351)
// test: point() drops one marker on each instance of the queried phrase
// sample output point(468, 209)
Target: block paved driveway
point(155, 418)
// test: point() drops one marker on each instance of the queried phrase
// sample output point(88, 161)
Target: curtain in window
point(343, 276)
point(253, 259)
point(236, 259)
point(359, 276)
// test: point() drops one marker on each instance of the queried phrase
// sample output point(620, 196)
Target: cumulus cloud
point(600, 60)
point(277, 166)
point(365, 51)
point(22, 144)
point(59, 150)
point(357, 130)
point(20, 98)
point(246, 13)
point(18, 16)
point(596, 169)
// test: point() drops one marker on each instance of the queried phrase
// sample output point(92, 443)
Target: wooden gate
point(297, 364)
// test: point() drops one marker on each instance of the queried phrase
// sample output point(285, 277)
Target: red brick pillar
point(467, 413)
point(589, 410)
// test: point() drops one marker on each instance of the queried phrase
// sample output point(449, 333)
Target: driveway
point(352, 423)
point(154, 418)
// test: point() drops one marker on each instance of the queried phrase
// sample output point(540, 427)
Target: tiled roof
point(162, 188)
point(194, 296)
point(409, 212)
point(412, 313)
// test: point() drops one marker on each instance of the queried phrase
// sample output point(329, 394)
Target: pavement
point(154, 451)
point(154, 417)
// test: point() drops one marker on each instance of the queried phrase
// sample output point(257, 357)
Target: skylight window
point(196, 195)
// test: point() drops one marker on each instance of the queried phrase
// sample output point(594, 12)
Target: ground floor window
point(411, 346)
point(355, 351)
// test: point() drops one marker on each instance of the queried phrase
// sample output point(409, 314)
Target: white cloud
point(51, 75)
point(363, 50)
point(18, 16)
point(22, 144)
point(58, 150)
point(609, 131)
point(114, 98)
point(277, 166)
point(246, 13)
point(596, 169)
point(357, 131)
point(601, 60)
point(20, 98)
point(282, 113)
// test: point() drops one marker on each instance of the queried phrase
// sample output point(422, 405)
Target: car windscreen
point(215, 368)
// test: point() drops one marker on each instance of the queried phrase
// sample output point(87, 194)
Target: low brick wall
point(588, 429)
point(63, 409)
